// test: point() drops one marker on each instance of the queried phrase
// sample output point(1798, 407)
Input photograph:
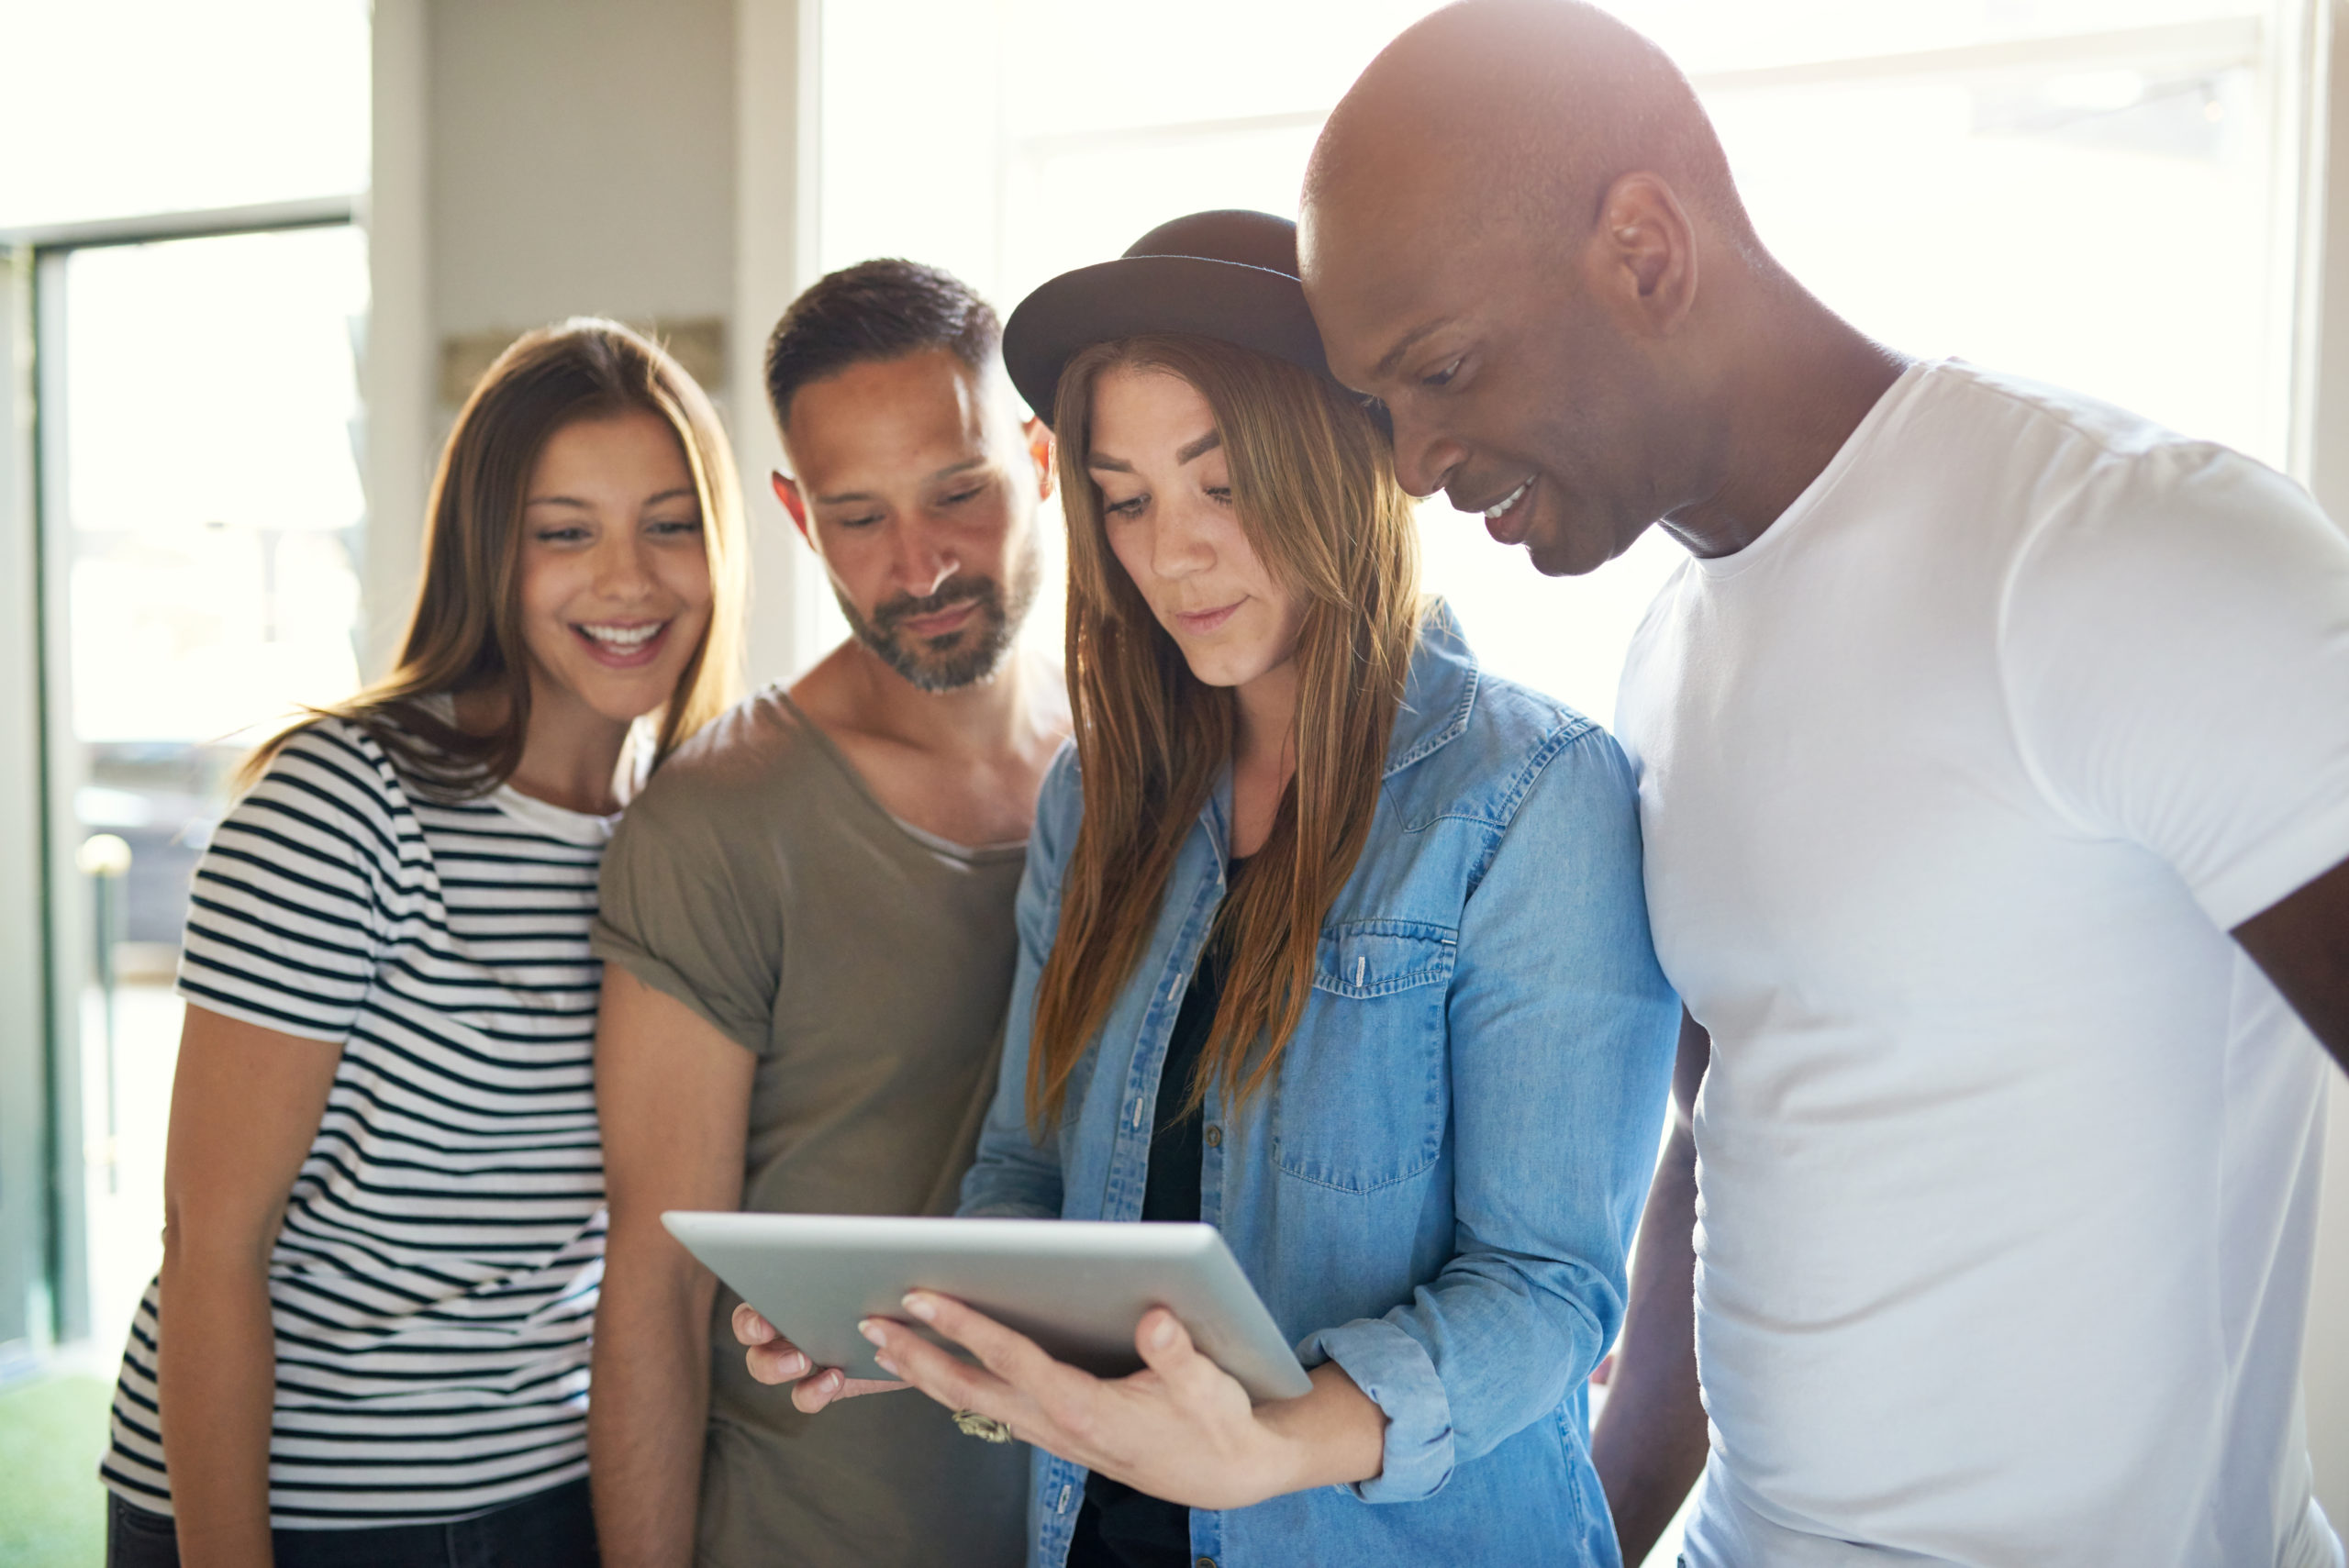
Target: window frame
point(46, 939)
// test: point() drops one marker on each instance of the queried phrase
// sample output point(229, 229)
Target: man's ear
point(1040, 451)
point(787, 492)
point(1644, 252)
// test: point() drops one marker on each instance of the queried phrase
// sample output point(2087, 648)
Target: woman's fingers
point(751, 1328)
point(811, 1394)
point(951, 1380)
point(1195, 1383)
point(1044, 1401)
point(1009, 1354)
point(776, 1364)
point(774, 1359)
point(770, 1356)
point(831, 1385)
point(1166, 1348)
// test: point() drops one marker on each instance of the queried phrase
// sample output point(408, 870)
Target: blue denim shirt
point(1439, 1189)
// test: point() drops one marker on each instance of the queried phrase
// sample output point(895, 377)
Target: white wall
point(539, 158)
point(582, 160)
point(774, 257)
point(396, 375)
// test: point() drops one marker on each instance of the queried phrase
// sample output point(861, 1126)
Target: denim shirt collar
point(1438, 695)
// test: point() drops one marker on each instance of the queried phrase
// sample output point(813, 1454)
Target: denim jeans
point(552, 1530)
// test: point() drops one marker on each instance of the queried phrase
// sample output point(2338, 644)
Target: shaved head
point(1520, 234)
point(1524, 111)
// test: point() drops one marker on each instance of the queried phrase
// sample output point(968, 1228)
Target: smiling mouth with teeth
point(623, 639)
point(1501, 508)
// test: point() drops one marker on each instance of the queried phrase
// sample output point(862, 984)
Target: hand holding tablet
point(1182, 1428)
point(1139, 1350)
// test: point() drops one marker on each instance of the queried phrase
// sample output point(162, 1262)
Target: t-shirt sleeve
point(286, 913)
point(2175, 647)
point(692, 914)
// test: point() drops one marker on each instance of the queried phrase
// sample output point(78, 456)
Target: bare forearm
point(673, 1097)
point(650, 1405)
point(1651, 1444)
point(245, 1105)
point(1334, 1436)
point(219, 1378)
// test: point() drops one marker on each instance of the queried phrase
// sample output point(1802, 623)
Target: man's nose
point(1425, 459)
point(923, 561)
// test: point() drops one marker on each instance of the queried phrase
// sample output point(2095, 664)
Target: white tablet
point(1077, 1287)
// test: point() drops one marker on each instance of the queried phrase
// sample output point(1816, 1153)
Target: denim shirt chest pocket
point(1363, 1101)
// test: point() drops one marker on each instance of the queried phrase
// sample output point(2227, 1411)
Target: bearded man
point(807, 925)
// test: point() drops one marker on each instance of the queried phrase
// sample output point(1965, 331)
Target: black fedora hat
point(1229, 274)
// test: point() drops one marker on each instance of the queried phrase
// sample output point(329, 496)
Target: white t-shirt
point(1952, 784)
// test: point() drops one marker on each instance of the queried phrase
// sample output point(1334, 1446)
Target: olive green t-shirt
point(867, 966)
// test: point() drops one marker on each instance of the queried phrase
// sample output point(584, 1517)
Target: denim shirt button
point(1214, 1137)
point(1204, 1562)
point(1061, 1505)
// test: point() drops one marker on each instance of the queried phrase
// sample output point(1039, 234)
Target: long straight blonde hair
point(1313, 484)
point(465, 631)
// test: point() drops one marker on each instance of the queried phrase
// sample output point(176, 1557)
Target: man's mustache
point(953, 590)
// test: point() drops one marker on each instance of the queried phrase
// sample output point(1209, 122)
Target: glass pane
point(111, 109)
point(210, 520)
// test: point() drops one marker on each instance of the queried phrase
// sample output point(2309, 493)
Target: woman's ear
point(1040, 451)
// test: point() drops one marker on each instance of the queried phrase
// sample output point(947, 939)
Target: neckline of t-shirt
point(1789, 522)
point(558, 822)
point(927, 840)
point(554, 821)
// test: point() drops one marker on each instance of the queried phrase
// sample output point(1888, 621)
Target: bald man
point(1994, 753)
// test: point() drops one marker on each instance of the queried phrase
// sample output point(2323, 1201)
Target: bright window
point(210, 407)
point(2086, 191)
point(136, 107)
point(200, 500)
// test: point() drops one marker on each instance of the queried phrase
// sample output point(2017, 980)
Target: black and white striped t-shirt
point(434, 1284)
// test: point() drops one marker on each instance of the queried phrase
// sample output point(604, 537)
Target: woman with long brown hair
point(384, 1194)
point(1329, 939)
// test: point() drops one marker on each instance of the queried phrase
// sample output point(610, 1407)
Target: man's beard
point(971, 653)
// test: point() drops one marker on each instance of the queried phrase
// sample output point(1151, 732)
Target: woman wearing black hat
point(1326, 938)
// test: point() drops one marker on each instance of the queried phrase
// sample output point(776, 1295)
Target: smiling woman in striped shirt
point(384, 1232)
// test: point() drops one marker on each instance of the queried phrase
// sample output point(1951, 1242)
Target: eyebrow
point(949, 471)
point(1189, 452)
point(683, 490)
point(1198, 449)
point(1411, 339)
